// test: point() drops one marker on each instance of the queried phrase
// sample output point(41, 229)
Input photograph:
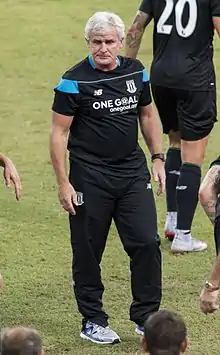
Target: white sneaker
point(98, 334)
point(170, 225)
point(139, 330)
point(183, 243)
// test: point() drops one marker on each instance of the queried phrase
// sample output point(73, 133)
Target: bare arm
point(58, 145)
point(209, 191)
point(135, 33)
point(216, 23)
point(215, 274)
point(209, 296)
point(152, 132)
point(151, 129)
point(11, 174)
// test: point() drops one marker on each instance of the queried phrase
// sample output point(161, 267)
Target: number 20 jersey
point(183, 42)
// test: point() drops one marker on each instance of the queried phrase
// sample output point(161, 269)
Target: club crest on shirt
point(131, 86)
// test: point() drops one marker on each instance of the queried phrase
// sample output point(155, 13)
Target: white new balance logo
point(174, 172)
point(181, 187)
point(98, 92)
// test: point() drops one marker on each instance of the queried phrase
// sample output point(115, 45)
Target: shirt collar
point(91, 62)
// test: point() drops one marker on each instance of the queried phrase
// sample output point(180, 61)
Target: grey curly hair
point(102, 22)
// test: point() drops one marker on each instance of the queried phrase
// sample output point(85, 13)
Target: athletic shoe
point(98, 334)
point(186, 243)
point(170, 225)
point(139, 330)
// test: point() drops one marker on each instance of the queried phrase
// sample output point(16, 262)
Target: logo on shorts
point(183, 187)
point(174, 172)
point(149, 186)
point(131, 86)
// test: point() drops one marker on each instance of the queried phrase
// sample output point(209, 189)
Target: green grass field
point(39, 40)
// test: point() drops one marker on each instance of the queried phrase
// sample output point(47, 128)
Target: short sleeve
point(145, 98)
point(66, 99)
point(215, 7)
point(146, 7)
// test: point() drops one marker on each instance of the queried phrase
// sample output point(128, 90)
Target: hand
point(10, 174)
point(208, 301)
point(68, 197)
point(159, 175)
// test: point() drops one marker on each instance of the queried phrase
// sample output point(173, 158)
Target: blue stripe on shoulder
point(91, 62)
point(145, 76)
point(68, 86)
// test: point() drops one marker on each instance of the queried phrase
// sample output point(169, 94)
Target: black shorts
point(193, 113)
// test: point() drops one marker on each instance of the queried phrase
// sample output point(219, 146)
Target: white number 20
point(179, 7)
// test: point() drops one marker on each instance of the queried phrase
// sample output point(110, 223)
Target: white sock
point(172, 215)
point(183, 231)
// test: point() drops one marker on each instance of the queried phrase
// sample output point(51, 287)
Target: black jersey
point(104, 131)
point(183, 42)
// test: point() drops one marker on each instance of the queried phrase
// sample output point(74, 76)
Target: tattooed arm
point(135, 33)
point(209, 190)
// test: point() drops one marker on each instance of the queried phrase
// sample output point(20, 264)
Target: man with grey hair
point(97, 105)
point(20, 341)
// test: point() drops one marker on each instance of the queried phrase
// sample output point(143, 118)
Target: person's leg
point(136, 221)
point(89, 229)
point(172, 168)
point(209, 190)
point(196, 112)
point(166, 103)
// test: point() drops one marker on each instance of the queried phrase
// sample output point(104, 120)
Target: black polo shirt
point(105, 106)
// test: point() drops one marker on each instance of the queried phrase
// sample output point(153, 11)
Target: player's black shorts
point(193, 113)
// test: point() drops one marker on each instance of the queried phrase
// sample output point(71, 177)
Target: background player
point(183, 86)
